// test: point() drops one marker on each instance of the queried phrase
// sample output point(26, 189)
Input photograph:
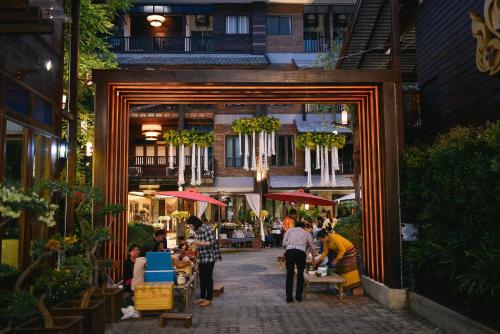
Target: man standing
point(297, 242)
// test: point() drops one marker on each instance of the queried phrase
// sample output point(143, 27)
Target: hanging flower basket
point(312, 140)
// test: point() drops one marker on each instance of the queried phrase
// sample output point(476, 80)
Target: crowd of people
point(201, 252)
point(299, 238)
point(336, 252)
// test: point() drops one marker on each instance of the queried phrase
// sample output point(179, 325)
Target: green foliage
point(140, 234)
point(59, 285)
point(309, 215)
point(448, 191)
point(16, 307)
point(96, 22)
point(257, 124)
point(189, 137)
point(8, 276)
point(310, 140)
point(350, 228)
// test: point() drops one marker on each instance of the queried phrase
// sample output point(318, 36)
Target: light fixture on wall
point(47, 66)
point(155, 20)
point(151, 131)
point(62, 148)
point(344, 116)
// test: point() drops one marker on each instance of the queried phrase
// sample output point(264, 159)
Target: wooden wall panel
point(454, 91)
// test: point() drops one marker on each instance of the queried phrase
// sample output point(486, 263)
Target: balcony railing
point(315, 44)
point(170, 44)
point(143, 167)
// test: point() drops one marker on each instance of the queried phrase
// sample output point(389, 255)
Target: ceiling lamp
point(155, 20)
point(151, 131)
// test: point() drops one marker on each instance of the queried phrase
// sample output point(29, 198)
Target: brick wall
point(298, 169)
point(287, 43)
point(223, 130)
point(284, 109)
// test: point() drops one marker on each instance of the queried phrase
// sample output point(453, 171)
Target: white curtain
point(273, 142)
point(171, 156)
point(327, 172)
point(205, 159)
point(239, 144)
point(198, 166)
point(334, 165)
point(254, 164)
point(201, 207)
point(307, 166)
point(247, 154)
point(193, 164)
point(182, 165)
point(254, 201)
point(317, 157)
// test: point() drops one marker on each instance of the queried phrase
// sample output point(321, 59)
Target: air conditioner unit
point(202, 20)
point(311, 20)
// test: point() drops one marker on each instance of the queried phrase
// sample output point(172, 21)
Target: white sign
point(409, 232)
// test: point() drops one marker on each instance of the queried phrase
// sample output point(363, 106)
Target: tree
point(96, 23)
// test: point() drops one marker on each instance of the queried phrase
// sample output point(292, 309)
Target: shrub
point(350, 228)
point(448, 190)
point(140, 234)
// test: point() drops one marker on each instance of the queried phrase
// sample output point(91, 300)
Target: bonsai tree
point(92, 234)
point(20, 301)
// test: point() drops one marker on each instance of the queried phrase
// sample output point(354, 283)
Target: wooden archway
point(373, 92)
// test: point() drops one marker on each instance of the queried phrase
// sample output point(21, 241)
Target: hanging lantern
point(151, 131)
point(155, 20)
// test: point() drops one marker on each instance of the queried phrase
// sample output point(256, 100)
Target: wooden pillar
point(392, 232)
point(396, 66)
point(73, 107)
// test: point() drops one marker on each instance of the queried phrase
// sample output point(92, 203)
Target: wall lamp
point(47, 66)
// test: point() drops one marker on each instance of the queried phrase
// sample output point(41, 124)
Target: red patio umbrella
point(193, 195)
point(301, 197)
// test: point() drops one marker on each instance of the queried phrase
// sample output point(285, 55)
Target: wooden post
point(73, 107)
point(396, 66)
point(392, 231)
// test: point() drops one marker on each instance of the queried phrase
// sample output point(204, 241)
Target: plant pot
point(62, 325)
point(256, 243)
point(114, 299)
point(94, 315)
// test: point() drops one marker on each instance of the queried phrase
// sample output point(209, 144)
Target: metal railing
point(157, 167)
point(170, 44)
point(315, 43)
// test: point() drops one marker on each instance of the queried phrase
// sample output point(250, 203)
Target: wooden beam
point(229, 76)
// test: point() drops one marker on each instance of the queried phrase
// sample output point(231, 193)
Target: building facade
point(31, 147)
point(223, 34)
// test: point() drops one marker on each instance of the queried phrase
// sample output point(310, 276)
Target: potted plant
point(21, 300)
point(92, 237)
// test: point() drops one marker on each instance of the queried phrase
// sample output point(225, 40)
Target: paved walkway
point(254, 303)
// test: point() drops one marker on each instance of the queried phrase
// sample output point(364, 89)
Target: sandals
point(199, 301)
point(206, 303)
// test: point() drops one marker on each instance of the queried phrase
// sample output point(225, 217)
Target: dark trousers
point(295, 257)
point(206, 271)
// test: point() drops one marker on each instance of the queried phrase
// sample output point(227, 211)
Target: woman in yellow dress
point(344, 262)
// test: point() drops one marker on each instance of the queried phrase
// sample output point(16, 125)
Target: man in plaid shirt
point(208, 254)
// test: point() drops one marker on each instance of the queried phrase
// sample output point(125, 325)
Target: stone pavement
point(254, 303)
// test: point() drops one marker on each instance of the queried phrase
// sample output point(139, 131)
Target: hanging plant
point(201, 138)
point(257, 124)
point(176, 137)
point(312, 140)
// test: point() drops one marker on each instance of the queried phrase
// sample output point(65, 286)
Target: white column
point(193, 164)
point(246, 153)
point(254, 164)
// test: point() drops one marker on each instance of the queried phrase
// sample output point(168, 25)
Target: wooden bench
point(218, 289)
point(186, 317)
point(334, 279)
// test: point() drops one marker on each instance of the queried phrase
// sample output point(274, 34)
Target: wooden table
point(186, 290)
point(333, 279)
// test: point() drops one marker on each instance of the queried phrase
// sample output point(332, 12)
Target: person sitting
point(289, 221)
point(184, 252)
point(159, 241)
point(341, 255)
point(128, 267)
point(140, 267)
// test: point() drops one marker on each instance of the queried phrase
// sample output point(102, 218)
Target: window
point(233, 157)
point(237, 25)
point(16, 97)
point(42, 111)
point(279, 25)
point(285, 151)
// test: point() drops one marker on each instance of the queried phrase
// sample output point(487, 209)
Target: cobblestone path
point(254, 303)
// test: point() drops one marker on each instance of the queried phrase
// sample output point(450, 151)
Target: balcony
point(154, 169)
point(182, 44)
point(315, 43)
